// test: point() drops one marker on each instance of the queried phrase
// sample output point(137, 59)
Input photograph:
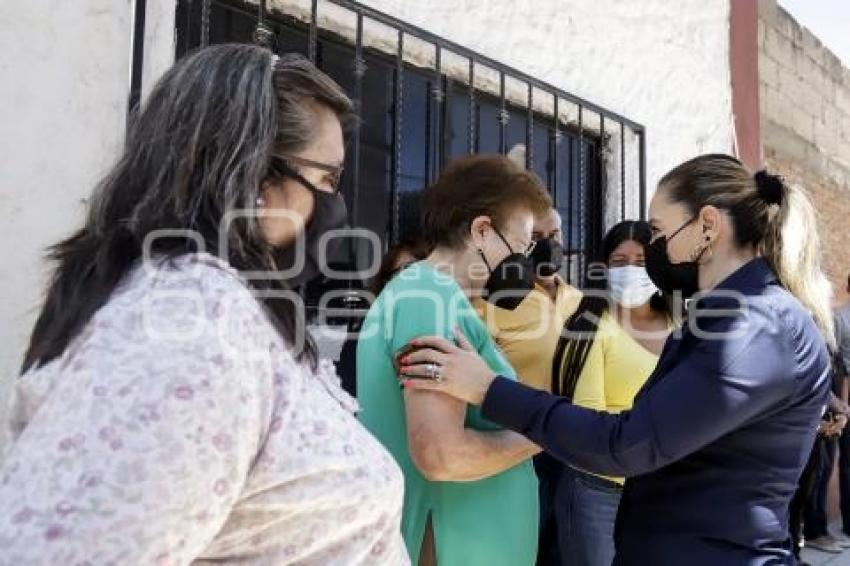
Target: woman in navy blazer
point(719, 435)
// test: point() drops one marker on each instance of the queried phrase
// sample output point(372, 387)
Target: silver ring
point(438, 377)
point(434, 372)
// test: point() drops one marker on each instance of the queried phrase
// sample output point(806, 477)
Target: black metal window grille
point(416, 116)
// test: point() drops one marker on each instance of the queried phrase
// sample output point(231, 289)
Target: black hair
point(200, 147)
point(580, 329)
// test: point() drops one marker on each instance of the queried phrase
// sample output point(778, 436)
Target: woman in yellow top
point(528, 334)
point(608, 349)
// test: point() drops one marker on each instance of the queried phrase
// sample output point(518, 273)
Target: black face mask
point(547, 257)
point(511, 281)
point(329, 213)
point(670, 277)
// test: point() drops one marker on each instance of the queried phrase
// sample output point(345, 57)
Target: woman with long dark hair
point(717, 437)
point(605, 354)
point(171, 407)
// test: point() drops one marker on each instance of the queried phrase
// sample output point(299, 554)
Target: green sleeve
point(430, 310)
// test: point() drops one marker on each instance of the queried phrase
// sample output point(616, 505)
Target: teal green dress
point(490, 522)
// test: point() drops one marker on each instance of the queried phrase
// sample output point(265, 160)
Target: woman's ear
point(712, 223)
point(268, 184)
point(478, 229)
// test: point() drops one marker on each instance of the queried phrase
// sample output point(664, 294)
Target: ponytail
point(792, 247)
point(778, 220)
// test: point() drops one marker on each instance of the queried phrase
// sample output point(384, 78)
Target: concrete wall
point(65, 68)
point(64, 91)
point(805, 111)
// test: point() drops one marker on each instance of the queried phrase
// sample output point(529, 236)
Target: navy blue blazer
point(717, 438)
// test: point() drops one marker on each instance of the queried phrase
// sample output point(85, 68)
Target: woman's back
point(177, 425)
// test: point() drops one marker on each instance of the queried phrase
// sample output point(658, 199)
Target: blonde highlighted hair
point(777, 219)
point(792, 246)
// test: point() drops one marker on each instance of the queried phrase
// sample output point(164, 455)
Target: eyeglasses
point(334, 170)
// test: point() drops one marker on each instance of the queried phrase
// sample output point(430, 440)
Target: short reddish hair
point(478, 185)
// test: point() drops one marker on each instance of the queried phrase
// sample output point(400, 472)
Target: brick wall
point(805, 116)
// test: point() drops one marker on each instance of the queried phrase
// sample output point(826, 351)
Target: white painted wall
point(63, 93)
point(663, 64)
point(64, 82)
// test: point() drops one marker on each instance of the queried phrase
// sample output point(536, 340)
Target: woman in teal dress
point(470, 488)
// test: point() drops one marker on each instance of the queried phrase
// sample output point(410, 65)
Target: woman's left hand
point(439, 365)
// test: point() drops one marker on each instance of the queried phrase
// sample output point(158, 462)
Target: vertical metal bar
point(429, 133)
point(581, 195)
point(472, 128)
point(642, 172)
point(314, 31)
point(205, 23)
point(138, 59)
point(571, 189)
point(359, 71)
point(438, 102)
point(556, 138)
point(190, 10)
point(602, 132)
point(397, 107)
point(503, 116)
point(575, 200)
point(529, 132)
point(597, 206)
point(622, 171)
point(446, 121)
point(263, 34)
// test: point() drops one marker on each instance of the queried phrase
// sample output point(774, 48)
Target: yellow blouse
point(617, 366)
point(528, 335)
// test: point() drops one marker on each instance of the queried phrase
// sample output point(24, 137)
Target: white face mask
point(630, 286)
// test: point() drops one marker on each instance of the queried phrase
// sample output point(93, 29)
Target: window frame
point(587, 192)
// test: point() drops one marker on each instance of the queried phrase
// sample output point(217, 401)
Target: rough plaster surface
point(65, 68)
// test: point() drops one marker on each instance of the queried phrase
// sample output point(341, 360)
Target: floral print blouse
point(177, 428)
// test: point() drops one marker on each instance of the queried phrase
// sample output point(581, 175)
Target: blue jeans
point(844, 477)
point(585, 510)
point(814, 511)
